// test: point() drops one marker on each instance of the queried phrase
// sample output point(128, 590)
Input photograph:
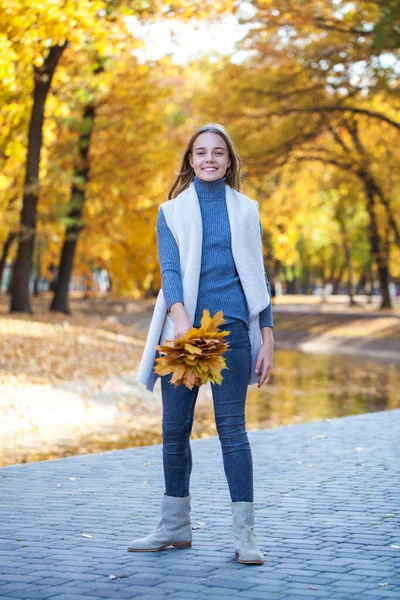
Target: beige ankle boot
point(173, 529)
point(246, 549)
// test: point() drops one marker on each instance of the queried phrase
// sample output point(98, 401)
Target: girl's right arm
point(180, 318)
point(171, 281)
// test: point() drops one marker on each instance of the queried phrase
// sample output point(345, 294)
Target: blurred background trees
point(91, 138)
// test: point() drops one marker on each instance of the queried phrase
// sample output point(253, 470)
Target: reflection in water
point(303, 387)
point(310, 387)
point(307, 387)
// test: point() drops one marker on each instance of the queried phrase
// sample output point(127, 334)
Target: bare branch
point(332, 26)
point(325, 109)
point(282, 96)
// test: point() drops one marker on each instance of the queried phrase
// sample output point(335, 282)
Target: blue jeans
point(229, 400)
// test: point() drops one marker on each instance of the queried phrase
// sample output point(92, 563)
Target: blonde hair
point(186, 173)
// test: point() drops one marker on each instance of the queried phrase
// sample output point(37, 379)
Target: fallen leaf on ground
point(41, 349)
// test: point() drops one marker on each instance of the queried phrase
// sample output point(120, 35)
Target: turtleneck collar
point(210, 189)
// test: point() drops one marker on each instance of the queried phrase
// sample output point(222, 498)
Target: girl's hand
point(181, 326)
point(181, 319)
point(265, 356)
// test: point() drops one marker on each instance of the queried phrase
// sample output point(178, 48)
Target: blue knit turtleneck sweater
point(219, 283)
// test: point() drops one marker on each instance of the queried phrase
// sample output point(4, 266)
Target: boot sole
point(248, 562)
point(179, 545)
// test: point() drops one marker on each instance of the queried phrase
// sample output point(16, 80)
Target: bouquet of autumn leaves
point(196, 357)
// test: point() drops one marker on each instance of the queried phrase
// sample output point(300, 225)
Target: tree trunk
point(337, 280)
point(20, 300)
point(378, 253)
point(60, 302)
point(370, 283)
point(6, 248)
point(322, 272)
point(10, 281)
point(332, 277)
point(9, 241)
point(37, 268)
point(392, 224)
point(362, 281)
point(348, 263)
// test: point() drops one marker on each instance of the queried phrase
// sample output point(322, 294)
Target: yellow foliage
point(146, 112)
point(196, 357)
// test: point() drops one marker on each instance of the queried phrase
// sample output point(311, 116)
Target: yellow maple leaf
point(193, 349)
point(196, 357)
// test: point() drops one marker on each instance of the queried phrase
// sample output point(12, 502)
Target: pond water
point(303, 387)
point(310, 387)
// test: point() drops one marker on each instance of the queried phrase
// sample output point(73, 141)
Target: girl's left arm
point(266, 318)
point(266, 352)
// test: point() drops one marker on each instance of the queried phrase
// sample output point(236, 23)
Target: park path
point(327, 516)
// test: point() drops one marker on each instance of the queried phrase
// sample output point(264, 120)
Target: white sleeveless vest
point(183, 217)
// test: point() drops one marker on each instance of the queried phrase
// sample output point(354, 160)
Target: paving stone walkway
point(327, 514)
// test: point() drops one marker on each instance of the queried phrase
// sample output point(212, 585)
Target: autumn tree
point(315, 85)
point(130, 156)
point(38, 35)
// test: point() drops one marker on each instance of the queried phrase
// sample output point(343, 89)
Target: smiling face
point(209, 157)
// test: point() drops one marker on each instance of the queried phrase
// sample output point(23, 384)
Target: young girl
point(210, 253)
